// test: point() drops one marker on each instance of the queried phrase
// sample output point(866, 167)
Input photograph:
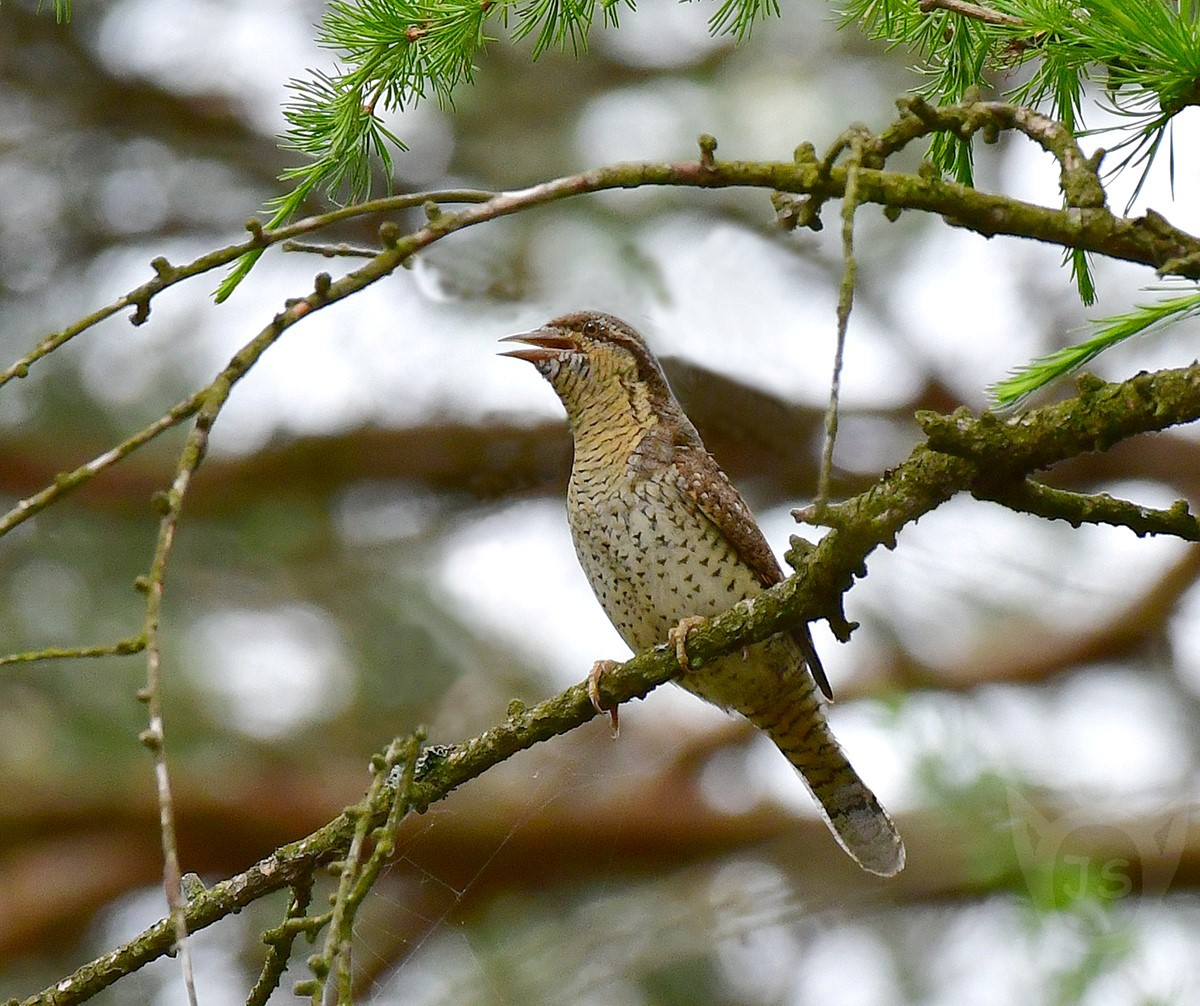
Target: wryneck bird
point(665, 540)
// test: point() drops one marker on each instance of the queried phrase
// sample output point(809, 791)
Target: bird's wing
point(718, 499)
point(709, 487)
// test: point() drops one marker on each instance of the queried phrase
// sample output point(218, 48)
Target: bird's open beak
point(546, 344)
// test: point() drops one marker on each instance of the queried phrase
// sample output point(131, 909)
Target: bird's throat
point(608, 431)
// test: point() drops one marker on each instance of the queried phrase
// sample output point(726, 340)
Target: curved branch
point(167, 275)
point(1085, 223)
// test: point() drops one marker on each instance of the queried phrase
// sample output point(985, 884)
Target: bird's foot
point(599, 668)
point(677, 637)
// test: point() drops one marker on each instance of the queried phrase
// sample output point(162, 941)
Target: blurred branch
point(1034, 656)
point(753, 432)
point(806, 883)
point(123, 647)
point(486, 841)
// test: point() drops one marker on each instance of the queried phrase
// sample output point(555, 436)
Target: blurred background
point(377, 540)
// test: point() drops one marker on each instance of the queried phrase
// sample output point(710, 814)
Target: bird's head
point(594, 359)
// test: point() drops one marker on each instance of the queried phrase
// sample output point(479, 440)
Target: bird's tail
point(861, 825)
point(769, 685)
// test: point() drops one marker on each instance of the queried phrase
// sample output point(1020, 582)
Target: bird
point(666, 540)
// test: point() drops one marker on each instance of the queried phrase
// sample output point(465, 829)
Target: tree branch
point(984, 450)
point(1096, 508)
point(1084, 224)
point(167, 275)
point(984, 455)
point(971, 10)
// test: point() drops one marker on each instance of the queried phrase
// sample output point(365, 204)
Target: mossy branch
point(964, 453)
point(1077, 509)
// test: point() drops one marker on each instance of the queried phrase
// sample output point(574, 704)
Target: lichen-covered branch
point(1096, 508)
point(964, 453)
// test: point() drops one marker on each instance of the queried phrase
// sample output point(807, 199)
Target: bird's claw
point(599, 668)
point(677, 637)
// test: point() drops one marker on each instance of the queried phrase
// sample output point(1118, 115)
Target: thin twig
point(328, 251)
point(854, 138)
point(971, 10)
point(69, 481)
point(1094, 508)
point(123, 647)
point(154, 736)
point(280, 942)
point(168, 275)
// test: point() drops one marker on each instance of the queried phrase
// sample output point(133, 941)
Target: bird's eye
point(591, 329)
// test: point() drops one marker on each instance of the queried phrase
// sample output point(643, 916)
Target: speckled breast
point(651, 556)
